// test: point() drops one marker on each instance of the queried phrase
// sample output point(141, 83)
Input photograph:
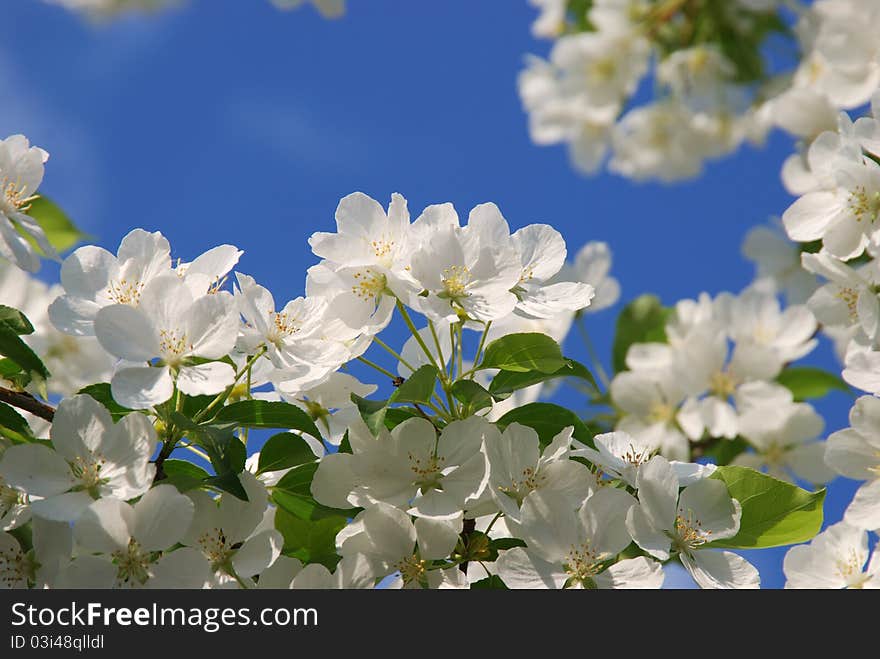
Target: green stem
point(14, 437)
point(391, 351)
point(193, 449)
point(459, 332)
point(221, 398)
point(591, 351)
point(412, 328)
point(480, 346)
point(439, 349)
point(383, 371)
point(492, 523)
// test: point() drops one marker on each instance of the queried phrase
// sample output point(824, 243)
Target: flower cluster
point(713, 89)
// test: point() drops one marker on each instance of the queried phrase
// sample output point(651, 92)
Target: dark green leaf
point(283, 451)
point(418, 387)
point(11, 419)
point(493, 582)
point(16, 320)
point(642, 321)
point(183, 475)
point(774, 513)
point(372, 412)
point(101, 393)
point(530, 351)
point(268, 414)
point(506, 382)
point(394, 416)
point(725, 450)
point(18, 351)
point(548, 420)
point(472, 394)
point(808, 382)
point(227, 482)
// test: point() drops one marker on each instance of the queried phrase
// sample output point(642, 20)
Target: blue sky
point(231, 122)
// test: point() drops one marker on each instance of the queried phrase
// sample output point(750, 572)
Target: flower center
point(283, 326)
point(689, 534)
point(864, 205)
point(722, 384)
point(125, 291)
point(602, 70)
point(428, 471)
point(850, 298)
point(10, 498)
point(660, 412)
point(850, 568)
point(132, 564)
point(583, 563)
point(412, 568)
point(635, 456)
point(530, 480)
point(455, 281)
point(15, 197)
point(368, 284)
point(383, 250)
point(173, 345)
point(88, 472)
point(214, 547)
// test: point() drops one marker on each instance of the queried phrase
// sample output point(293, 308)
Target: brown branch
point(24, 401)
point(468, 528)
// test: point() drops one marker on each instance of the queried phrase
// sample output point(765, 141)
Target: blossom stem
point(492, 523)
point(412, 328)
point(193, 449)
point(222, 396)
point(458, 331)
point(383, 371)
point(391, 351)
point(480, 346)
point(591, 351)
point(437, 343)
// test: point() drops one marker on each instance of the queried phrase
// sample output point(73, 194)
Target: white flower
point(231, 534)
point(855, 453)
point(843, 218)
point(783, 434)
point(848, 299)
point(93, 458)
point(133, 536)
point(834, 559)
point(93, 278)
point(15, 507)
point(778, 260)
point(551, 20)
point(409, 467)
point(470, 270)
point(569, 547)
point(591, 266)
point(292, 336)
point(329, 404)
point(353, 571)
point(665, 522)
point(21, 172)
point(861, 362)
point(388, 539)
point(327, 8)
point(173, 326)
point(517, 467)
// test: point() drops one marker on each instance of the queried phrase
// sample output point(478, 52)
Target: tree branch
point(24, 401)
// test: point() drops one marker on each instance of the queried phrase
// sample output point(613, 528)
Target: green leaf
point(394, 416)
point(183, 475)
point(16, 320)
point(283, 451)
point(808, 382)
point(268, 414)
point(774, 513)
point(14, 421)
point(493, 582)
point(506, 382)
point(418, 387)
point(548, 420)
point(472, 394)
point(372, 412)
point(61, 232)
point(101, 393)
point(18, 351)
point(293, 493)
point(311, 541)
point(642, 321)
point(530, 351)
point(227, 482)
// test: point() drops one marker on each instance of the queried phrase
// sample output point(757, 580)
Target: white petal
point(721, 569)
point(182, 568)
point(105, 526)
point(864, 510)
point(257, 553)
point(210, 378)
point(161, 518)
point(36, 469)
point(437, 538)
point(63, 507)
point(631, 573)
point(126, 333)
point(520, 568)
point(141, 387)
